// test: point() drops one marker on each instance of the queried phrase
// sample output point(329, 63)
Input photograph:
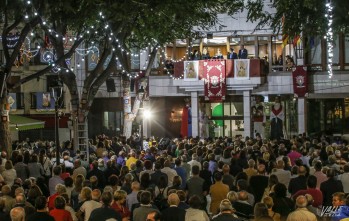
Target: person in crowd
point(284, 176)
point(173, 212)
point(105, 212)
point(55, 179)
point(59, 213)
point(21, 168)
point(21, 202)
point(9, 174)
point(261, 213)
point(182, 173)
point(91, 202)
point(299, 182)
point(195, 184)
point(320, 176)
point(329, 187)
point(41, 211)
point(119, 204)
point(35, 168)
point(98, 173)
point(132, 197)
point(243, 208)
point(282, 204)
point(301, 213)
point(311, 189)
point(218, 192)
point(226, 212)
point(60, 189)
point(17, 214)
point(259, 182)
point(268, 201)
point(171, 173)
point(194, 212)
point(7, 197)
point(140, 213)
point(344, 178)
point(78, 169)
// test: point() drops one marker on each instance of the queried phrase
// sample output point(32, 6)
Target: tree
point(18, 21)
point(119, 28)
point(300, 16)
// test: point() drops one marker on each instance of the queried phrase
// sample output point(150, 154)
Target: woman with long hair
point(119, 204)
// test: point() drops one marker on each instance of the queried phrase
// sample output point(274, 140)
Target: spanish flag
point(296, 40)
point(285, 37)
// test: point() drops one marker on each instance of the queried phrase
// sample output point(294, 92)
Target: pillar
point(247, 113)
point(147, 121)
point(194, 113)
point(301, 112)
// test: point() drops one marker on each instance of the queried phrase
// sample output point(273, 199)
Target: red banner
point(300, 81)
point(214, 74)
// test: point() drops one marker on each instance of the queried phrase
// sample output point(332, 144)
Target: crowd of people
point(183, 179)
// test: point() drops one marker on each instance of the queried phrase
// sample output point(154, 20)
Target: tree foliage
point(301, 16)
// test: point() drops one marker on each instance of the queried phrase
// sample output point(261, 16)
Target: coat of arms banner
point(300, 81)
point(214, 75)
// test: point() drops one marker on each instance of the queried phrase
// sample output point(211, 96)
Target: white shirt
point(284, 176)
point(345, 181)
point(171, 173)
point(88, 206)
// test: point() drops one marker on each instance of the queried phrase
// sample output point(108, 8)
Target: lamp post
point(56, 92)
point(140, 97)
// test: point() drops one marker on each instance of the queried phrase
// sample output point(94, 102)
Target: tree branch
point(48, 68)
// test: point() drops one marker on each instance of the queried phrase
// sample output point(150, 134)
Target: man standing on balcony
point(243, 52)
point(232, 54)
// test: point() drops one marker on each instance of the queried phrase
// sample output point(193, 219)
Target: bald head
point(302, 170)
point(17, 214)
point(301, 202)
point(280, 164)
point(135, 186)
point(173, 199)
point(96, 194)
point(243, 195)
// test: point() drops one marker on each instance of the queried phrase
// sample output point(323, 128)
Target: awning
point(24, 123)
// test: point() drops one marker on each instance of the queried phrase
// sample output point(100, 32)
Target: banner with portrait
point(44, 101)
point(215, 80)
point(242, 68)
point(191, 70)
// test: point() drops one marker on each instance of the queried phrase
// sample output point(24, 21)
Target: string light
point(329, 37)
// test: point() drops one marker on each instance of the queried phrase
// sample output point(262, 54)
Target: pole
point(142, 134)
point(57, 133)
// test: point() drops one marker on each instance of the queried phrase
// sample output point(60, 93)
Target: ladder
point(82, 139)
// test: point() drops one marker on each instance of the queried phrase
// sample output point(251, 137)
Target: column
point(194, 114)
point(247, 113)
point(301, 115)
point(147, 120)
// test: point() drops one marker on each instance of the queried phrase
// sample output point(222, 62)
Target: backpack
point(160, 201)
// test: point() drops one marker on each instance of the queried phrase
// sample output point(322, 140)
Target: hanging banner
point(191, 70)
point(178, 69)
point(300, 81)
point(215, 85)
point(242, 68)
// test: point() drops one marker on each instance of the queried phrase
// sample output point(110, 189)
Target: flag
point(296, 40)
point(285, 37)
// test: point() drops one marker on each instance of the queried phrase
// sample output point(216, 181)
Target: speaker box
point(110, 85)
point(209, 36)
